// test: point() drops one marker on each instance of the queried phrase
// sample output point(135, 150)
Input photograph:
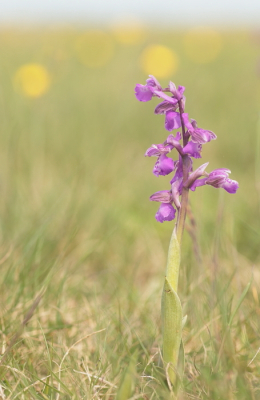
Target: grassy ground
point(76, 225)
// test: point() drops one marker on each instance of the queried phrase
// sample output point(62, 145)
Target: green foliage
point(171, 328)
point(171, 310)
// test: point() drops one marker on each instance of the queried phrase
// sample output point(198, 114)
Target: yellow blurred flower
point(32, 80)
point(129, 32)
point(160, 61)
point(94, 48)
point(202, 45)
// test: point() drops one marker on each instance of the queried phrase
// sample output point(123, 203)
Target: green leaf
point(173, 262)
point(171, 327)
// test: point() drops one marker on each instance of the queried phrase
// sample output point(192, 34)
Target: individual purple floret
point(172, 120)
point(145, 92)
point(163, 196)
point(218, 179)
point(198, 135)
point(152, 82)
point(169, 107)
point(165, 106)
point(177, 93)
point(166, 211)
point(174, 142)
point(164, 165)
point(193, 137)
point(158, 149)
point(193, 149)
point(195, 175)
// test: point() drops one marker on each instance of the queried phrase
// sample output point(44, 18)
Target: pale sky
point(161, 12)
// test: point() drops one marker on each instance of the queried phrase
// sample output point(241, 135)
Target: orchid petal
point(165, 97)
point(230, 186)
point(198, 173)
point(197, 183)
point(158, 149)
point(218, 177)
point(143, 92)
point(172, 120)
point(186, 121)
point(181, 89)
point(202, 135)
point(177, 93)
point(152, 81)
point(161, 108)
point(193, 149)
point(163, 166)
point(163, 196)
point(174, 142)
point(166, 212)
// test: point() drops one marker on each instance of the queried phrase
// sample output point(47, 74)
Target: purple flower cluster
point(193, 137)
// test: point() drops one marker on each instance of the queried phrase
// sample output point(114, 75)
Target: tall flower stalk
point(183, 180)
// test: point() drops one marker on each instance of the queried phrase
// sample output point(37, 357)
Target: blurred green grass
point(75, 217)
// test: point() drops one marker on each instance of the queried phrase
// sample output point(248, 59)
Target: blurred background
point(74, 183)
point(69, 113)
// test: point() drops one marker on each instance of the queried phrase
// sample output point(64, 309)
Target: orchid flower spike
point(184, 179)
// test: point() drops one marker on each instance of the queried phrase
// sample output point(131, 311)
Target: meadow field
point(77, 227)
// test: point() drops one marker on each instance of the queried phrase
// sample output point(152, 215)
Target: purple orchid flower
point(218, 179)
point(172, 106)
point(143, 92)
point(146, 92)
point(174, 142)
point(163, 196)
point(193, 149)
point(165, 106)
point(169, 99)
point(198, 135)
point(195, 175)
point(166, 211)
point(169, 104)
point(169, 107)
point(164, 165)
point(158, 149)
point(177, 93)
point(152, 81)
point(172, 120)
